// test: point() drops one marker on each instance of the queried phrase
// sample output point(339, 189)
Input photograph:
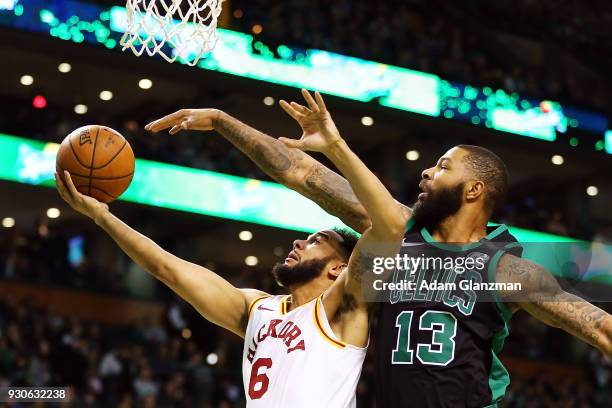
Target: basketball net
point(174, 29)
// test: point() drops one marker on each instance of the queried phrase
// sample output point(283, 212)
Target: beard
point(438, 206)
point(299, 274)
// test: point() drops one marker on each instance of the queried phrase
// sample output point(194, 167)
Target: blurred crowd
point(459, 41)
point(145, 365)
point(44, 259)
point(580, 28)
point(164, 364)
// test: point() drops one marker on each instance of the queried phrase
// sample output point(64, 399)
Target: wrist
point(98, 214)
point(218, 117)
point(336, 150)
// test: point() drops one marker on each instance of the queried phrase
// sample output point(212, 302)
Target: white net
point(174, 29)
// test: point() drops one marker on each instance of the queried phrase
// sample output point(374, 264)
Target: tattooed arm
point(542, 297)
point(296, 170)
point(288, 166)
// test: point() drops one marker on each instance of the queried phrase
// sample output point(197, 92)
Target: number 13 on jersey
point(440, 351)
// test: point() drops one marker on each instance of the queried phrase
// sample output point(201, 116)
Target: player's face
point(320, 245)
point(442, 189)
point(308, 259)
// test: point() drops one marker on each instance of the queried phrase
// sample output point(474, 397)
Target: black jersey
point(437, 343)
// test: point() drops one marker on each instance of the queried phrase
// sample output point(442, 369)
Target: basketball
point(100, 161)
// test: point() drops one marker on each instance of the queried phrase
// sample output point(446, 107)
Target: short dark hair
point(491, 170)
point(349, 240)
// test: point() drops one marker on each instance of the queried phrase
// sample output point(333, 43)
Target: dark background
point(158, 356)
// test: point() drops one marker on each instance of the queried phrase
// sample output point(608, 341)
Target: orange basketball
point(100, 161)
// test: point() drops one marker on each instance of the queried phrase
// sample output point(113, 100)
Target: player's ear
point(336, 268)
point(475, 189)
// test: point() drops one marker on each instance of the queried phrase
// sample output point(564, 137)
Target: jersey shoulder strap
point(500, 237)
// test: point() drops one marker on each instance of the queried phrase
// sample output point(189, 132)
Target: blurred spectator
point(173, 373)
point(459, 43)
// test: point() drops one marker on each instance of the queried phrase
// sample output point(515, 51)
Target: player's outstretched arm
point(388, 219)
point(542, 297)
point(290, 167)
point(211, 295)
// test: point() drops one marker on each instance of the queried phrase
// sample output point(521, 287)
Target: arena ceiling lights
point(335, 74)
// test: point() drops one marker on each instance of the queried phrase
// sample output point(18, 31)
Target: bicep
point(534, 282)
point(213, 297)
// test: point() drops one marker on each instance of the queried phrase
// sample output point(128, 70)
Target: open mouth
point(292, 255)
point(424, 190)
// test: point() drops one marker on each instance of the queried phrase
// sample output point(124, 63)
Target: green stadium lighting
point(237, 198)
point(331, 73)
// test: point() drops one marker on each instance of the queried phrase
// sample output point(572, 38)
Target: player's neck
point(303, 294)
point(463, 227)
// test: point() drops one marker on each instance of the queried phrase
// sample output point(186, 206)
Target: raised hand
point(86, 205)
point(319, 130)
point(193, 119)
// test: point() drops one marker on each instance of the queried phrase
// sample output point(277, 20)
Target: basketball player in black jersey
point(434, 347)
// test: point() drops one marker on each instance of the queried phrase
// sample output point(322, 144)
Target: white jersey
point(293, 359)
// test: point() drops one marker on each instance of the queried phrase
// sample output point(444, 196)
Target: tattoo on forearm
point(335, 195)
point(272, 156)
point(329, 190)
point(546, 300)
point(579, 317)
point(574, 315)
point(278, 161)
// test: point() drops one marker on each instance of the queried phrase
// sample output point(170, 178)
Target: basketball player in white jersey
point(304, 349)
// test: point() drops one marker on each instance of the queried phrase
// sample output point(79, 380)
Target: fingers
point(71, 188)
point(320, 102)
point(165, 122)
point(61, 188)
point(178, 127)
point(301, 108)
point(290, 110)
point(311, 102)
point(298, 144)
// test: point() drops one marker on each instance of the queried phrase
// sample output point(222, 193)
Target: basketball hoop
point(174, 29)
